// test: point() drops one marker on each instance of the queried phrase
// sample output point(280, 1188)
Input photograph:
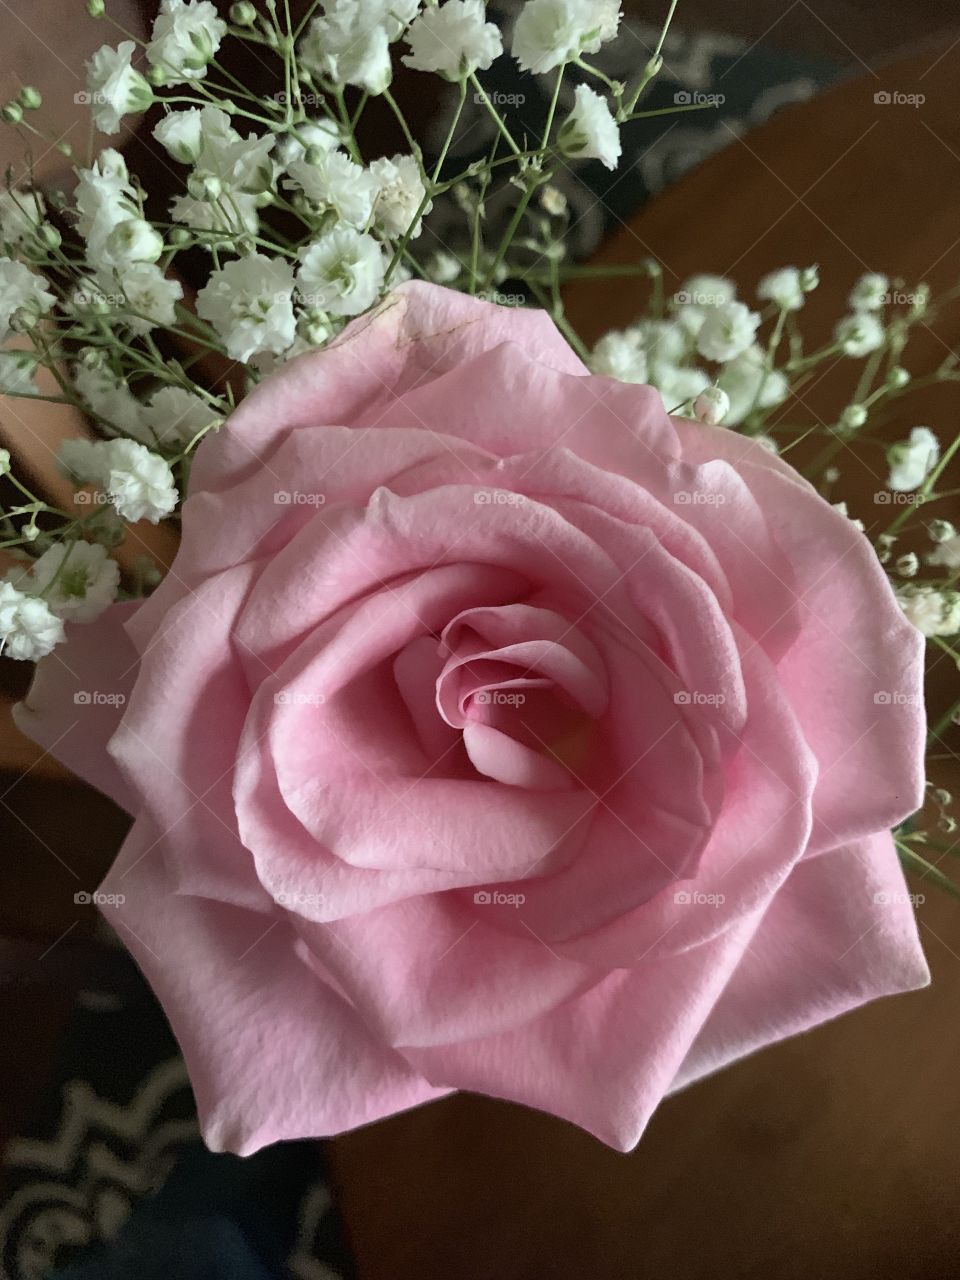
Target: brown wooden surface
point(834, 1154)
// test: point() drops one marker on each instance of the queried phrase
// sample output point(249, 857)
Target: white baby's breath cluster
point(300, 228)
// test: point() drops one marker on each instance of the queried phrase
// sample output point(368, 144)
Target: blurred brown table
point(834, 1154)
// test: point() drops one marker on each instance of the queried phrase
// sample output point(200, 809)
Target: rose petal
point(416, 335)
point(840, 932)
point(272, 1052)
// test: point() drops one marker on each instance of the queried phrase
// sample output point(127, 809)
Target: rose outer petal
point(272, 1052)
point(826, 945)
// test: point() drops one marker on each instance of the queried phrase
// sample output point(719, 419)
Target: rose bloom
point(494, 731)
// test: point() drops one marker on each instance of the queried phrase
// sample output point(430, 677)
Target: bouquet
point(512, 715)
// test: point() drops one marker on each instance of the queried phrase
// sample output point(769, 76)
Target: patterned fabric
point(113, 1183)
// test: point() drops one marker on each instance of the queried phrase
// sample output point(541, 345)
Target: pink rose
point(508, 736)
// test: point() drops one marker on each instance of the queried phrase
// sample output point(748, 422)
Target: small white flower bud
point(711, 406)
point(941, 530)
point(853, 416)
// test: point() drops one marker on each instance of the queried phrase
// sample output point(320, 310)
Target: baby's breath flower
point(620, 354)
point(784, 288)
point(678, 385)
point(711, 406)
point(23, 298)
point(18, 371)
point(186, 35)
point(549, 33)
point(132, 240)
point(932, 612)
point(173, 416)
point(109, 399)
point(870, 292)
point(341, 272)
point(139, 483)
point(912, 460)
point(29, 630)
point(180, 134)
point(344, 48)
point(749, 384)
point(727, 331)
point(443, 268)
point(590, 131)
point(454, 39)
point(321, 134)
point(859, 334)
point(114, 88)
point(908, 565)
point(21, 213)
point(104, 198)
point(250, 304)
point(947, 554)
point(940, 530)
point(853, 417)
point(333, 181)
point(77, 580)
point(399, 194)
